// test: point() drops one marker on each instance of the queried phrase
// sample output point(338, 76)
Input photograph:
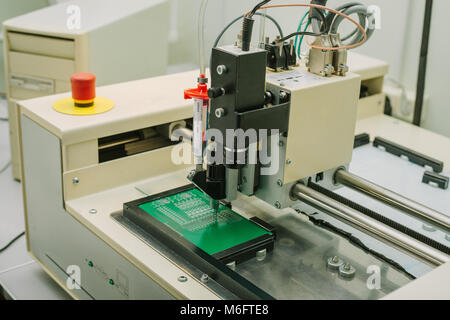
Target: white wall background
point(397, 42)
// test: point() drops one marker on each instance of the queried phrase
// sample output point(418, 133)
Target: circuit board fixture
point(186, 212)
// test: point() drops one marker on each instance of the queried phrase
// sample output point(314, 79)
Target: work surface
point(22, 278)
point(303, 275)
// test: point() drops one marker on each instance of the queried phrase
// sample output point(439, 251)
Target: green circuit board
point(190, 214)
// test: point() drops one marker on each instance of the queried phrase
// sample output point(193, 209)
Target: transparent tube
point(262, 29)
point(201, 35)
point(197, 134)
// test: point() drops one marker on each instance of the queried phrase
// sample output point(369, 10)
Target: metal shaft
point(393, 199)
point(185, 134)
point(372, 227)
point(180, 132)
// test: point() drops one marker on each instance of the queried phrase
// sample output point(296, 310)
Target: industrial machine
point(43, 48)
point(220, 193)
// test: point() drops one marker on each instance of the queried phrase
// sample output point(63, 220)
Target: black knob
point(215, 92)
point(268, 97)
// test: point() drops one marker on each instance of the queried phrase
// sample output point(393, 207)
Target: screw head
point(204, 278)
point(283, 95)
point(279, 183)
point(281, 143)
point(75, 180)
point(261, 255)
point(191, 174)
point(344, 67)
point(277, 205)
point(288, 161)
point(93, 211)
point(221, 69)
point(347, 270)
point(220, 112)
point(182, 279)
point(334, 263)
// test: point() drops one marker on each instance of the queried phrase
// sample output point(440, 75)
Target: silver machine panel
point(64, 245)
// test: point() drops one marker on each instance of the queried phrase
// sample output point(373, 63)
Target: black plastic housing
point(280, 58)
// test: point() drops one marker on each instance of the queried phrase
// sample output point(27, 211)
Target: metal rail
point(370, 226)
point(393, 199)
point(180, 132)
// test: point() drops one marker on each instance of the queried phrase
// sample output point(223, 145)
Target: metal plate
point(297, 267)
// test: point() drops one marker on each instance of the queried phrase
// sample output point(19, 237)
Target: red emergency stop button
point(83, 89)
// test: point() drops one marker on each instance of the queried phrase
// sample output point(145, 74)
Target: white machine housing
point(320, 133)
point(70, 195)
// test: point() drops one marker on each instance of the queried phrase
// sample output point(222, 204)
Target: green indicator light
point(111, 282)
point(90, 264)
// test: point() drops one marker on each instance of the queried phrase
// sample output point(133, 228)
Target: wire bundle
point(257, 7)
point(318, 19)
point(298, 44)
point(332, 22)
point(315, 6)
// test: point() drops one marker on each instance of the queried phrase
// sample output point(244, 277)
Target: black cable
point(356, 242)
point(299, 33)
point(11, 242)
point(280, 30)
point(259, 5)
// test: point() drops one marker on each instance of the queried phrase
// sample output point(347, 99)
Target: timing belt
point(374, 215)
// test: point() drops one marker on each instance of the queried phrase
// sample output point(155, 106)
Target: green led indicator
point(111, 282)
point(90, 264)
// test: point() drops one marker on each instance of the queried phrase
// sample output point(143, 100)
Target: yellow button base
point(67, 106)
